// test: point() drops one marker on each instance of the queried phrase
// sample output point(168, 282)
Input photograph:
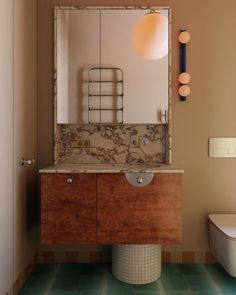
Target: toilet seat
point(226, 223)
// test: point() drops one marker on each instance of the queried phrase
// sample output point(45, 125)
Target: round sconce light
point(184, 78)
point(150, 36)
point(184, 37)
point(184, 90)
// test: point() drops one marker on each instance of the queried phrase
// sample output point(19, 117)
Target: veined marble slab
point(112, 168)
point(111, 144)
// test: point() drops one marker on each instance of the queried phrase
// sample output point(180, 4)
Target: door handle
point(28, 162)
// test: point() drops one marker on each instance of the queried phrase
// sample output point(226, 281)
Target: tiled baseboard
point(74, 257)
point(188, 257)
point(23, 276)
point(104, 257)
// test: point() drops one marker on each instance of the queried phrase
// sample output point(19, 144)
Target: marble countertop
point(112, 168)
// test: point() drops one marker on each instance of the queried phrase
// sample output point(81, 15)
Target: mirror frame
point(168, 115)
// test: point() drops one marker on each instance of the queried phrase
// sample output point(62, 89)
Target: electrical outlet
point(134, 141)
point(143, 141)
point(80, 143)
point(137, 141)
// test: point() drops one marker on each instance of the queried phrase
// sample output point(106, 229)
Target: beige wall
point(209, 184)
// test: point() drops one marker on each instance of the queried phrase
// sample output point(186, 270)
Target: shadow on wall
point(31, 203)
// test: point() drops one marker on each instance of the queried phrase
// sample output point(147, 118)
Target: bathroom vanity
point(112, 182)
point(97, 204)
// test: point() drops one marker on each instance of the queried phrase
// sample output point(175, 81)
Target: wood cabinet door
point(139, 215)
point(68, 210)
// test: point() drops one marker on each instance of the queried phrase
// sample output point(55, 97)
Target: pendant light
point(150, 36)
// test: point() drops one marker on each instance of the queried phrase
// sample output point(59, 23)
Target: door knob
point(28, 162)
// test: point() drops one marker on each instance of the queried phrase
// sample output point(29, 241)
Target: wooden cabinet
point(106, 209)
point(139, 215)
point(68, 209)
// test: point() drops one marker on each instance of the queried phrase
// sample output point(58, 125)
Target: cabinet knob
point(139, 180)
point(69, 180)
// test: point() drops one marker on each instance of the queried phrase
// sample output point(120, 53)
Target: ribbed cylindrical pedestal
point(136, 264)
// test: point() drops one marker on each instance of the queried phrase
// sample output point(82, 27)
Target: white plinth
point(136, 264)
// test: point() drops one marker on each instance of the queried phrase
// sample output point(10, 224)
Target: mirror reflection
point(100, 78)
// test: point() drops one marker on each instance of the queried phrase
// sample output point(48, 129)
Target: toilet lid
point(226, 223)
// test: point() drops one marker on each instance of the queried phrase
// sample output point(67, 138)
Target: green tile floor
point(96, 279)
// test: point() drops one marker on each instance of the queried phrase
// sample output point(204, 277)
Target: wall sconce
point(150, 36)
point(184, 77)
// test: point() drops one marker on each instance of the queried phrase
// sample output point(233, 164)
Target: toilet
point(222, 231)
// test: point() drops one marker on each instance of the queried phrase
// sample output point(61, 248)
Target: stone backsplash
point(112, 144)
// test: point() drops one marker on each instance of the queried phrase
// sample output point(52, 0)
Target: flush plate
point(222, 147)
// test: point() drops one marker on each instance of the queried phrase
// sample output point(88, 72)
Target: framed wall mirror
point(99, 78)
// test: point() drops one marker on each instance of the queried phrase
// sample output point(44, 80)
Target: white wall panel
point(6, 145)
point(25, 135)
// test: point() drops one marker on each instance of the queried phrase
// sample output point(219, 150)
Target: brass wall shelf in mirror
point(105, 96)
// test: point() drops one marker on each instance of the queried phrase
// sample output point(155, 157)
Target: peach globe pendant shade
point(150, 36)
